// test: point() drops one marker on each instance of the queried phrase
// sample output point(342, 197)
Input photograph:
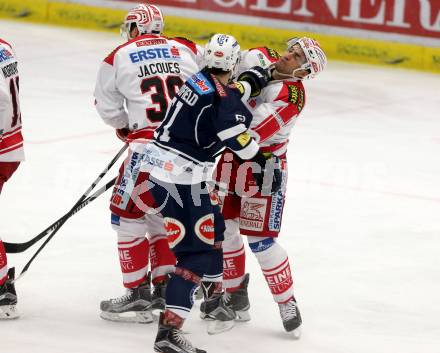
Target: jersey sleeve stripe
point(231, 132)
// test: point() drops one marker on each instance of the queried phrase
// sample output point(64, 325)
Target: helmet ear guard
point(147, 18)
point(222, 52)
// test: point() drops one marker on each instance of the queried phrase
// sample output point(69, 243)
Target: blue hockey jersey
point(205, 117)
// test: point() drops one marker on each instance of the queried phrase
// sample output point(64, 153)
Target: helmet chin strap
point(291, 76)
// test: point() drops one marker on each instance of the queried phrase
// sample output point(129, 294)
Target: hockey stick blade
point(63, 220)
point(22, 247)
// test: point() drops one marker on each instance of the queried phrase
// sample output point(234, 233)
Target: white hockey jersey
point(275, 110)
point(11, 139)
point(138, 80)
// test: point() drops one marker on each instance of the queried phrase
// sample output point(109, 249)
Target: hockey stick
point(13, 248)
point(81, 199)
point(26, 245)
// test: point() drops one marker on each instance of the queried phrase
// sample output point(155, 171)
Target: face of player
point(292, 60)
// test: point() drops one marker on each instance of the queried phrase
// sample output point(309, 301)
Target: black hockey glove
point(270, 178)
point(257, 77)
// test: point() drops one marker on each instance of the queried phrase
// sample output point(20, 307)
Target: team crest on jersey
point(201, 84)
point(5, 55)
point(175, 231)
point(204, 229)
point(252, 214)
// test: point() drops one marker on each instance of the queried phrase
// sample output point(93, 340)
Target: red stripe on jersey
point(13, 148)
point(5, 42)
point(271, 125)
point(11, 140)
point(186, 42)
point(11, 132)
point(273, 148)
point(145, 134)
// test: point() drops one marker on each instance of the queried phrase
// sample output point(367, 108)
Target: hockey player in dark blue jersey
point(206, 116)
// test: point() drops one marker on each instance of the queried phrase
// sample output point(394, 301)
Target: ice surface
point(361, 225)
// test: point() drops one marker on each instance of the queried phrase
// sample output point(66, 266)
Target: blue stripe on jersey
point(200, 83)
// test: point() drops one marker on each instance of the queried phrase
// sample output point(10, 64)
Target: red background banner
point(408, 17)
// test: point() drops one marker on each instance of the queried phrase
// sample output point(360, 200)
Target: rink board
point(337, 47)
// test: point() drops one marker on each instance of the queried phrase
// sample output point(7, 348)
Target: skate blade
point(296, 333)
point(205, 317)
point(216, 326)
point(8, 312)
point(156, 314)
point(242, 316)
point(140, 317)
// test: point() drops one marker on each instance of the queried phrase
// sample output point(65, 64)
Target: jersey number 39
point(161, 91)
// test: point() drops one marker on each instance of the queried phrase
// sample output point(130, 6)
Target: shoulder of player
point(185, 42)
point(290, 92)
point(268, 53)
point(2, 41)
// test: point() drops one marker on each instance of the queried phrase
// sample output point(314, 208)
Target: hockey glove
point(122, 134)
point(269, 179)
point(257, 77)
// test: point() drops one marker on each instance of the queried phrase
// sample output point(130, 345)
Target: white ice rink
point(361, 225)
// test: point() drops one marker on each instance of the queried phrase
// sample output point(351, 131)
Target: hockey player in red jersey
point(134, 88)
point(11, 154)
point(259, 216)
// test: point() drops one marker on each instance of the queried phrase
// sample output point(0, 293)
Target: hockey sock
point(133, 257)
point(168, 318)
point(234, 257)
point(162, 259)
point(180, 290)
point(3, 264)
point(274, 263)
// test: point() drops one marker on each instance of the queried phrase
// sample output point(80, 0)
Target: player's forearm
point(116, 118)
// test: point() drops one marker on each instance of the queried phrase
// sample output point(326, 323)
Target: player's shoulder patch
point(201, 83)
point(295, 94)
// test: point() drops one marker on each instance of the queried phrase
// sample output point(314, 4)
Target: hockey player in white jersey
point(11, 154)
point(259, 216)
point(134, 89)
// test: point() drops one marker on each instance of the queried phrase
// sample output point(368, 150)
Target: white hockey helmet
point(222, 52)
point(147, 18)
point(315, 57)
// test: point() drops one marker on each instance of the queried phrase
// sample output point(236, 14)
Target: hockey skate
point(8, 298)
point(133, 306)
point(238, 301)
point(220, 317)
point(158, 298)
point(291, 317)
point(170, 339)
